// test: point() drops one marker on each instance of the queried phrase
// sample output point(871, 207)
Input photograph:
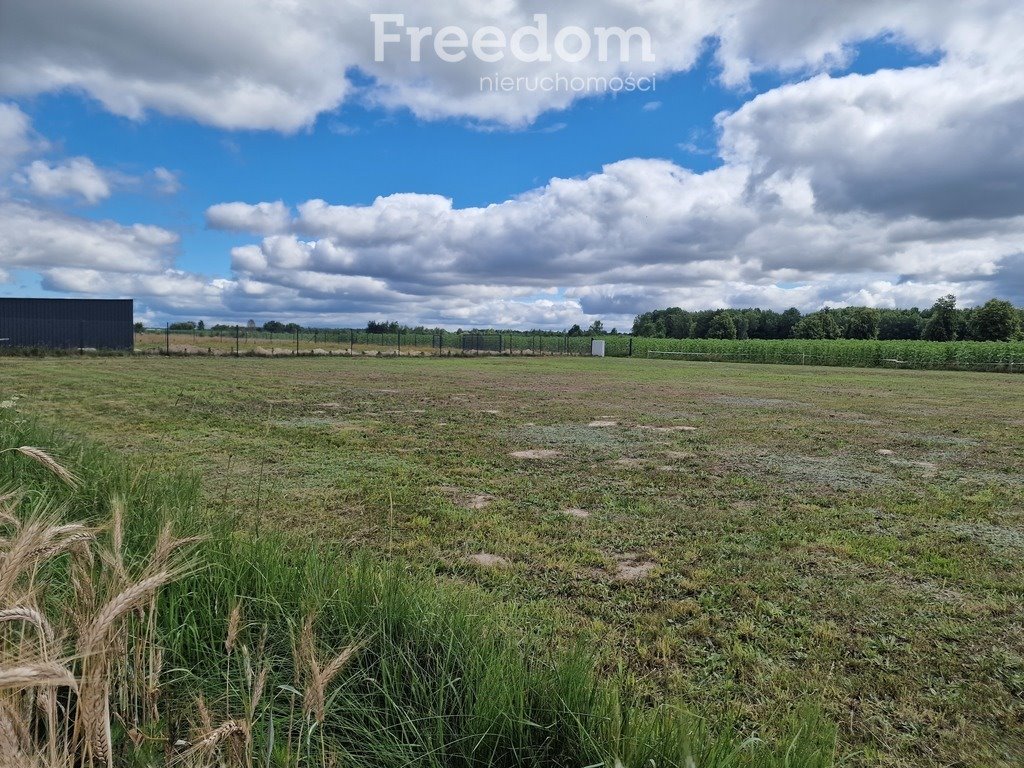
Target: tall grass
point(276, 652)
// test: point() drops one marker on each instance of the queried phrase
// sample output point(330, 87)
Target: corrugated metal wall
point(67, 323)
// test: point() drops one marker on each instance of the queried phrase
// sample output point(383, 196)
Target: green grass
point(792, 562)
point(440, 678)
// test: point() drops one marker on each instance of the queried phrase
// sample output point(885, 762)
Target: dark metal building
point(67, 323)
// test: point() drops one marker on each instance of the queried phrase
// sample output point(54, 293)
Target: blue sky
point(691, 194)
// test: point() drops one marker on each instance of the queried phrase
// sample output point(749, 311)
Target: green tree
point(140, 327)
point(995, 321)
point(862, 323)
point(576, 330)
point(820, 325)
point(722, 326)
point(201, 325)
point(900, 324)
point(942, 320)
point(596, 329)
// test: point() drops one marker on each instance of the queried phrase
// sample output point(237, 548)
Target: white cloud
point(262, 218)
point(37, 239)
point(167, 182)
point(15, 135)
point(640, 234)
point(939, 142)
point(78, 176)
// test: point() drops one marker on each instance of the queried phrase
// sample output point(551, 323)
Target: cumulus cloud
point(262, 218)
point(39, 239)
point(78, 176)
point(641, 233)
point(894, 142)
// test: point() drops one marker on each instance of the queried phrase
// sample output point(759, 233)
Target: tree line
point(994, 321)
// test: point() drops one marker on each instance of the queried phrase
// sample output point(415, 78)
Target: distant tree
point(576, 330)
point(251, 325)
point(942, 320)
point(596, 329)
point(742, 322)
point(140, 327)
point(201, 325)
point(187, 326)
point(820, 325)
point(722, 326)
point(995, 321)
point(677, 323)
point(862, 323)
point(809, 328)
point(382, 327)
point(788, 322)
point(900, 324)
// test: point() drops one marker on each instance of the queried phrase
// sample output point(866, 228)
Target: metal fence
point(240, 341)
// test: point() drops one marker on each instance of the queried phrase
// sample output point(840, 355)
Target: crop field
point(743, 539)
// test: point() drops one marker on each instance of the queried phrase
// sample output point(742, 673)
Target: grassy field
point(742, 537)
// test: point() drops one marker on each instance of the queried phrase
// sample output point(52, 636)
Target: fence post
point(296, 342)
point(167, 338)
point(238, 334)
point(399, 342)
point(630, 346)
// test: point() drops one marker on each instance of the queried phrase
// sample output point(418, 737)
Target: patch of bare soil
point(631, 567)
point(478, 501)
point(485, 560)
point(603, 424)
point(579, 514)
point(461, 498)
point(535, 455)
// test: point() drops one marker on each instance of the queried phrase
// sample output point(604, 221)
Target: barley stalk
point(130, 598)
point(44, 674)
point(28, 615)
point(42, 457)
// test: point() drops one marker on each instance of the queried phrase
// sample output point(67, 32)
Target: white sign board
point(597, 348)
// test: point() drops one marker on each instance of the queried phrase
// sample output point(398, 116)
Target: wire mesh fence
point(248, 341)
